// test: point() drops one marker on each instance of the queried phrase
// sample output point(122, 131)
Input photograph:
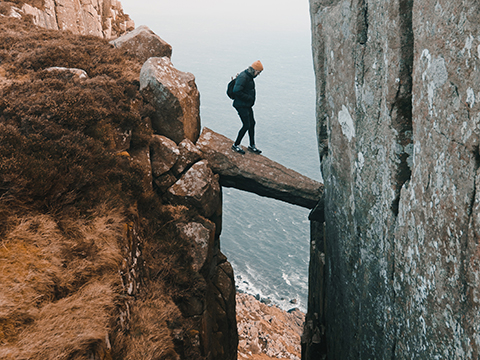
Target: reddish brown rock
point(189, 154)
point(175, 97)
point(163, 182)
point(267, 332)
point(198, 187)
point(256, 173)
point(220, 312)
point(102, 18)
point(201, 240)
point(164, 154)
point(143, 43)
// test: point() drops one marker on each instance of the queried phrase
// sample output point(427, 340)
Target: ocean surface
point(266, 241)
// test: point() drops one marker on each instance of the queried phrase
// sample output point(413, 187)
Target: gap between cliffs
point(401, 109)
point(401, 114)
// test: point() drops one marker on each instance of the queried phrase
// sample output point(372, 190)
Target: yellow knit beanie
point(257, 65)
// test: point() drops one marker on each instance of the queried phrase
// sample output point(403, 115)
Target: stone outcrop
point(398, 112)
point(256, 173)
point(267, 332)
point(191, 175)
point(189, 154)
point(175, 97)
point(196, 191)
point(102, 18)
point(183, 179)
point(199, 188)
point(164, 154)
point(143, 43)
point(314, 333)
point(70, 72)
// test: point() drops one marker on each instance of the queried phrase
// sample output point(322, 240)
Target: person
point(244, 99)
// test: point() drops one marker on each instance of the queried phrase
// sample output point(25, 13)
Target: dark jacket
point(244, 90)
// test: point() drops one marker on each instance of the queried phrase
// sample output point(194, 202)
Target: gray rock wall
point(398, 139)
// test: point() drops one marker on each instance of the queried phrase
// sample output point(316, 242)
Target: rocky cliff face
point(102, 18)
point(398, 114)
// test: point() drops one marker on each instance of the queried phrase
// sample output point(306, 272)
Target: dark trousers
point(246, 115)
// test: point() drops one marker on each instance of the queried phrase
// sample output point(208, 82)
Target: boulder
point(256, 173)
point(201, 236)
point(189, 154)
point(175, 97)
point(143, 43)
point(199, 188)
point(164, 154)
point(70, 72)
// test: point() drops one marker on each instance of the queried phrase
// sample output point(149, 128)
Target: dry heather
point(64, 200)
point(149, 335)
point(57, 132)
point(58, 281)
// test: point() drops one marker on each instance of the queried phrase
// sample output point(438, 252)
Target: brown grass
point(75, 327)
point(58, 281)
point(150, 336)
point(57, 133)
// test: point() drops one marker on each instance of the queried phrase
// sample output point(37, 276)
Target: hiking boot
point(238, 149)
point(253, 149)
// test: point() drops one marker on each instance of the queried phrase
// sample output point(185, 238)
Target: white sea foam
point(284, 277)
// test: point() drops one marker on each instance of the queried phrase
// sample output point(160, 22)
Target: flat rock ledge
point(257, 173)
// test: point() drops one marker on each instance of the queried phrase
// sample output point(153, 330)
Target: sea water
point(266, 241)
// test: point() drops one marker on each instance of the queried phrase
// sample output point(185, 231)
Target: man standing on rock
point(244, 95)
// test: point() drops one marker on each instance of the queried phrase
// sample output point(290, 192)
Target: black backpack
point(230, 87)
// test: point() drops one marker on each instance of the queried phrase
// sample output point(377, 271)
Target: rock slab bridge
point(257, 173)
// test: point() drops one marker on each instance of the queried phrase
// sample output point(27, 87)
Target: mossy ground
point(65, 197)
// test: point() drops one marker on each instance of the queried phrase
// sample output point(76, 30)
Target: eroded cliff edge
point(398, 114)
point(110, 229)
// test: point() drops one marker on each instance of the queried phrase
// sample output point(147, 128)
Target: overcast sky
point(209, 16)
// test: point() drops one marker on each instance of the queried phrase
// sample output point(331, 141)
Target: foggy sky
point(209, 16)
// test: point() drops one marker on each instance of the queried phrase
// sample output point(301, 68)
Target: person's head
point(257, 68)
